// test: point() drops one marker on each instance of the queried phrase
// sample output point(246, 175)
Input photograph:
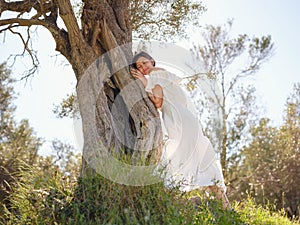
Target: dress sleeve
point(161, 77)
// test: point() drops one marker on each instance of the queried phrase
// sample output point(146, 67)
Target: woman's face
point(144, 65)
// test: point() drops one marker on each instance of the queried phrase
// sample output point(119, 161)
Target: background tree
point(103, 26)
point(19, 147)
point(18, 143)
point(270, 168)
point(221, 55)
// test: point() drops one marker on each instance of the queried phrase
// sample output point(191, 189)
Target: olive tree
point(270, 164)
point(103, 26)
point(231, 63)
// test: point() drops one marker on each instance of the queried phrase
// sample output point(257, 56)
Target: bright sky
point(274, 81)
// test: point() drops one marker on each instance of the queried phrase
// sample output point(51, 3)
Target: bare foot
point(221, 195)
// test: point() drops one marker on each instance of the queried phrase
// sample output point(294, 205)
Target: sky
point(274, 81)
point(280, 19)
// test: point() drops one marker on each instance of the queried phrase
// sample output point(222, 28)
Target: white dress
point(188, 155)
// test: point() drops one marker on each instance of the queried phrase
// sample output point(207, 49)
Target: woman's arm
point(156, 96)
point(157, 92)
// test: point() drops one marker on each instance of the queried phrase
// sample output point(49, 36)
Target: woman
point(190, 159)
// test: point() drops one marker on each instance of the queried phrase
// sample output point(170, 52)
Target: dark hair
point(141, 54)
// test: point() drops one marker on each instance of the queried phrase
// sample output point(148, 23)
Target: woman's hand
point(138, 75)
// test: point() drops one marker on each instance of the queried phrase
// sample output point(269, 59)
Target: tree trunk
point(224, 141)
point(125, 119)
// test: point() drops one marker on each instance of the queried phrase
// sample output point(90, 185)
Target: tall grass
point(51, 198)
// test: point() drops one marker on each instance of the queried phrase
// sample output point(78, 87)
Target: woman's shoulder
point(156, 70)
point(163, 78)
point(164, 74)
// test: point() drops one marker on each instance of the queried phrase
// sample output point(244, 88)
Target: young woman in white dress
point(190, 159)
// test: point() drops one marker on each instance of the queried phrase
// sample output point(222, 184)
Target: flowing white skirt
point(188, 157)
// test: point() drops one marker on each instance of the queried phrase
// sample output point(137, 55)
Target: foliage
point(256, 214)
point(163, 20)
point(18, 143)
point(120, 204)
point(271, 163)
point(19, 146)
point(68, 107)
point(6, 93)
point(37, 197)
point(158, 19)
point(52, 198)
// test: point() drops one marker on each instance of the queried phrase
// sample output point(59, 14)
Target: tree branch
point(54, 30)
point(18, 6)
point(78, 46)
point(243, 73)
point(26, 6)
point(21, 22)
point(32, 55)
point(68, 16)
point(60, 36)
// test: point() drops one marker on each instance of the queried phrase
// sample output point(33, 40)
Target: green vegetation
point(51, 198)
point(270, 166)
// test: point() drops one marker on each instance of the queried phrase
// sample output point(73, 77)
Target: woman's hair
point(141, 54)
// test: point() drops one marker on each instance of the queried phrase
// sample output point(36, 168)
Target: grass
point(54, 199)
